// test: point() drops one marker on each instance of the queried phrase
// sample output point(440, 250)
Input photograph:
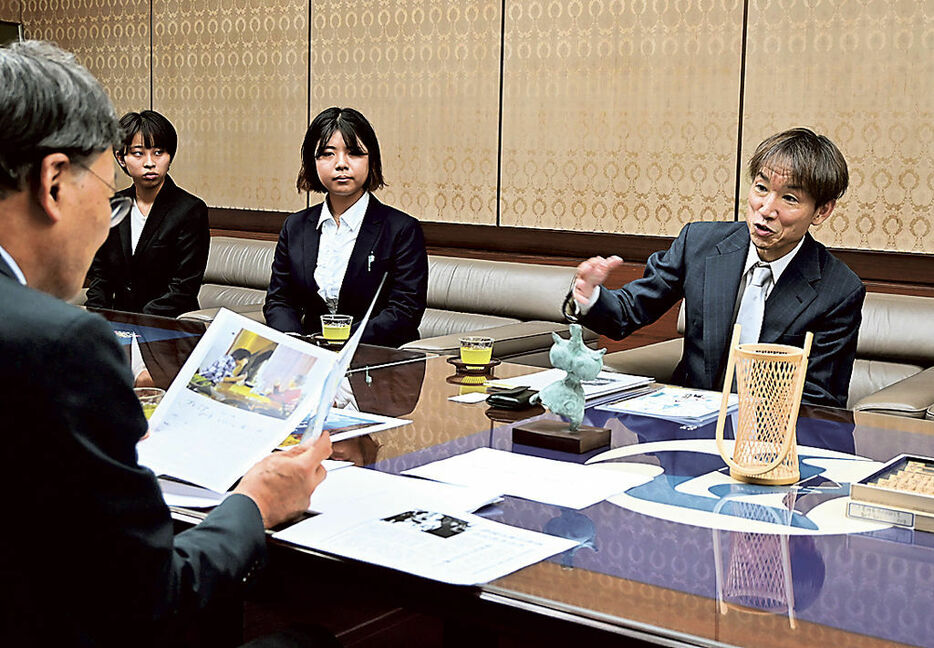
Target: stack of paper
point(534, 478)
point(678, 404)
point(605, 383)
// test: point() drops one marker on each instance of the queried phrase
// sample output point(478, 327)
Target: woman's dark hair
point(157, 131)
point(358, 136)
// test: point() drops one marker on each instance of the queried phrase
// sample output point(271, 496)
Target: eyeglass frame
point(120, 206)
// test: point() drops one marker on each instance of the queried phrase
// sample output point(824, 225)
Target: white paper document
point(605, 383)
point(243, 389)
point(344, 424)
point(472, 397)
point(678, 404)
point(235, 399)
point(440, 544)
point(534, 478)
point(362, 491)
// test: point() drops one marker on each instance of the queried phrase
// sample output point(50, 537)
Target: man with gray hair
point(89, 557)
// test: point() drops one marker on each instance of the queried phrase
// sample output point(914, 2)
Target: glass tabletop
point(685, 555)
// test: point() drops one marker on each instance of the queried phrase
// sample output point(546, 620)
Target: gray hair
point(49, 103)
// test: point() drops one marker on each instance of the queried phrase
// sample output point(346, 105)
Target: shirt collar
point(352, 218)
point(13, 265)
point(778, 266)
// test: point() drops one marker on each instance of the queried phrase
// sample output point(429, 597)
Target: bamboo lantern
point(769, 383)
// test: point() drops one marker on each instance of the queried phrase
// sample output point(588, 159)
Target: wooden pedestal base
point(555, 435)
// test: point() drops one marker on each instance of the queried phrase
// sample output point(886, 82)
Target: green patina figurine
point(565, 397)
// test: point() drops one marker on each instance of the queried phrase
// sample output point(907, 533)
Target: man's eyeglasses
point(119, 205)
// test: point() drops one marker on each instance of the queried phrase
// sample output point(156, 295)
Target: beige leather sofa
point(517, 304)
point(894, 368)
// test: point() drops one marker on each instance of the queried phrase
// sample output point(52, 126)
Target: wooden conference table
point(667, 562)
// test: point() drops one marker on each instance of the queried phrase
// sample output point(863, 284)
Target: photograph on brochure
point(254, 373)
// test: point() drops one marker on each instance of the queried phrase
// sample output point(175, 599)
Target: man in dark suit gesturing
point(722, 270)
point(89, 556)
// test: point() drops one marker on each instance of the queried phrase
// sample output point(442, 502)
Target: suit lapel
point(311, 238)
point(722, 273)
point(126, 246)
point(366, 243)
point(793, 293)
point(123, 229)
point(163, 204)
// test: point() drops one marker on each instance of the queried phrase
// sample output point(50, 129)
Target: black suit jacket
point(397, 246)
point(816, 293)
point(89, 556)
point(164, 276)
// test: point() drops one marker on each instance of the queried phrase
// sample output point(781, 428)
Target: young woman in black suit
point(331, 257)
point(153, 262)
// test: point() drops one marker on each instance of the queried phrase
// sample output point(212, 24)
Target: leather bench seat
point(517, 304)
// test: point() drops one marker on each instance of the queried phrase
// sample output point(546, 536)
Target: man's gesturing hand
point(592, 273)
point(282, 483)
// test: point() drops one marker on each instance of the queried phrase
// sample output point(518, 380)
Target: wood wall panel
point(862, 73)
point(233, 78)
point(426, 75)
point(620, 116)
point(109, 37)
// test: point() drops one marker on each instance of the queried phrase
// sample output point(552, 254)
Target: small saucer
point(322, 341)
point(473, 369)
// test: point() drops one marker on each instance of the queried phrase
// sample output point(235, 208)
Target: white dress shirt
point(335, 247)
point(13, 266)
point(137, 222)
point(778, 266)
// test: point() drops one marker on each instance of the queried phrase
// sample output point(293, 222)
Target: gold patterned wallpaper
point(426, 75)
point(109, 37)
point(615, 116)
point(862, 73)
point(620, 116)
point(233, 78)
point(10, 10)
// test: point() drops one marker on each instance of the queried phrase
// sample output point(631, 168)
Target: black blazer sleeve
point(103, 272)
point(287, 293)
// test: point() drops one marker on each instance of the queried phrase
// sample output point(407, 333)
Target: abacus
point(900, 493)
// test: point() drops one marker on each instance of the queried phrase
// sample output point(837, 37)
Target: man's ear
point(52, 171)
point(823, 212)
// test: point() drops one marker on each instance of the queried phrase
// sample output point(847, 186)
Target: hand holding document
point(181, 495)
point(243, 389)
point(282, 483)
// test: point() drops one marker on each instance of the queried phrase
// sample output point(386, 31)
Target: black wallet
point(512, 399)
